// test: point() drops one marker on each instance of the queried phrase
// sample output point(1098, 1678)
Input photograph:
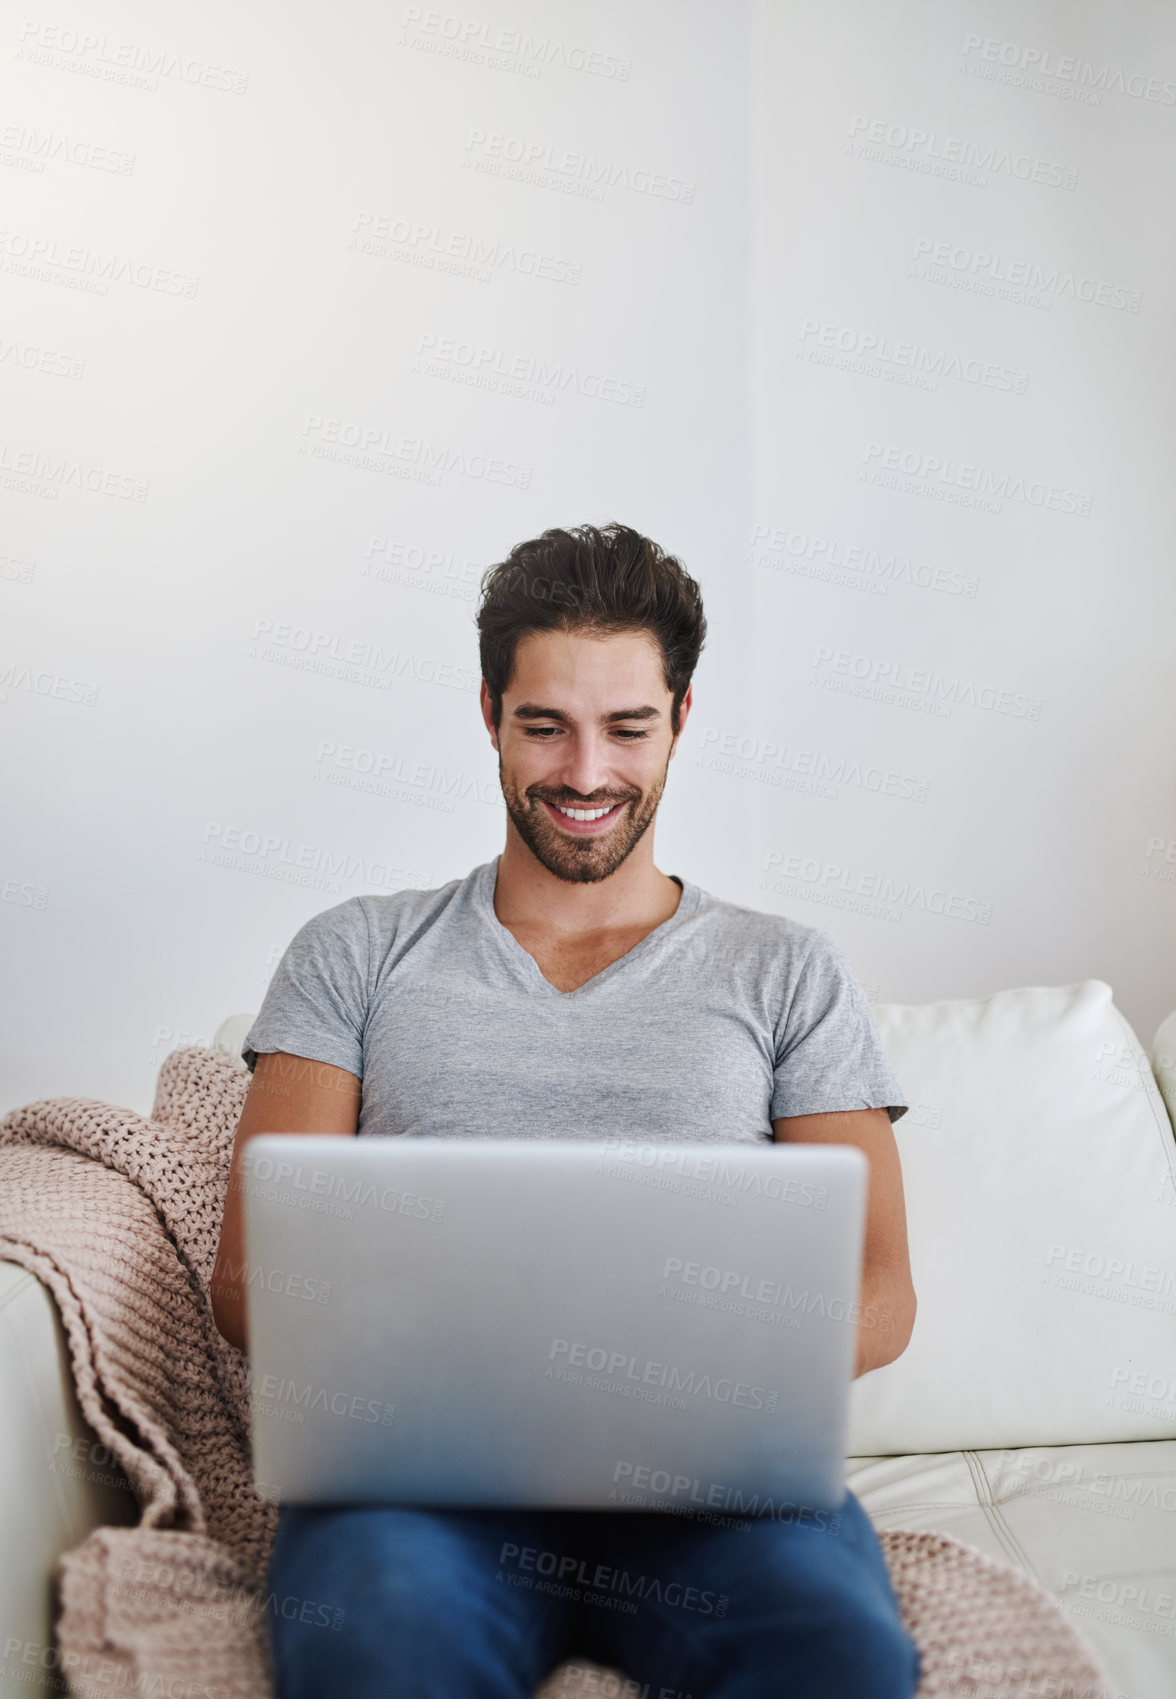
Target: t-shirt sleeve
point(829, 1055)
point(316, 1003)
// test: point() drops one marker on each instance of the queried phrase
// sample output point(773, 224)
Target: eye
point(546, 733)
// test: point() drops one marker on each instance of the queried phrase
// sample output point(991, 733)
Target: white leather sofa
point(1033, 1414)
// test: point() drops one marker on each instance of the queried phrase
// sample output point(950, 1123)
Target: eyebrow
point(533, 711)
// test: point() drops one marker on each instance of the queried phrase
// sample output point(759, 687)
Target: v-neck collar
point(483, 894)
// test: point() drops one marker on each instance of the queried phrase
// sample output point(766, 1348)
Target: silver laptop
point(615, 1324)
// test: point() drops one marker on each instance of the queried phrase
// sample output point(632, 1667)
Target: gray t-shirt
point(720, 1020)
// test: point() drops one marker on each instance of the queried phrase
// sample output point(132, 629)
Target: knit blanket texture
point(119, 1216)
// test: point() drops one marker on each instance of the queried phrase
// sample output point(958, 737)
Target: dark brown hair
point(597, 581)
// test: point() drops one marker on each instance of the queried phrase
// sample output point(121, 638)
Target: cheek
point(527, 765)
point(530, 756)
point(651, 766)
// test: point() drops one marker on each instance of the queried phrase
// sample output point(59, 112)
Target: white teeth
point(586, 813)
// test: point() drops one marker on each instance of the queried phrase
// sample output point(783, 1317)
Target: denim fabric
point(397, 1602)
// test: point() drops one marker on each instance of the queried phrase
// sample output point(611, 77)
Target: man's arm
point(888, 1302)
point(287, 1094)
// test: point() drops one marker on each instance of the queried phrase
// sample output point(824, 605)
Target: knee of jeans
point(875, 1642)
point(373, 1558)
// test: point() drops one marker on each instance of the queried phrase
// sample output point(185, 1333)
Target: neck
point(636, 894)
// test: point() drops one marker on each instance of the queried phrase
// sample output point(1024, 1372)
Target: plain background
point(863, 311)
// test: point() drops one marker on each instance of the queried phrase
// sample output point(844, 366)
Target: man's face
point(585, 723)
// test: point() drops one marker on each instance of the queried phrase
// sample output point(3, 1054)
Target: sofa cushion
point(229, 1037)
point(1163, 1061)
point(1095, 1525)
point(1043, 1250)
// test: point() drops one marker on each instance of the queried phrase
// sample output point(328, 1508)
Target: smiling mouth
point(569, 816)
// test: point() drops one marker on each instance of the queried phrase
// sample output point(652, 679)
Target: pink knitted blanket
point(119, 1216)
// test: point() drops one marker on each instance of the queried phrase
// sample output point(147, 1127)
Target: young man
point(569, 988)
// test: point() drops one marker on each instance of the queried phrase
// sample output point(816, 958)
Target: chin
point(581, 875)
point(576, 867)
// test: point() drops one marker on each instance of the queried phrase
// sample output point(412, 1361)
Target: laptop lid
point(498, 1322)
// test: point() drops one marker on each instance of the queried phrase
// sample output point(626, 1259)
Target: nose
point(587, 768)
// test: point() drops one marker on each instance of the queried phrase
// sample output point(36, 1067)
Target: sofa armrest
point(57, 1479)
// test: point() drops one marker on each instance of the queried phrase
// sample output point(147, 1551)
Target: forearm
point(288, 1094)
point(886, 1318)
point(227, 1286)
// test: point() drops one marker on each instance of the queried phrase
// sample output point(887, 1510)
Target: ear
point(488, 712)
point(683, 712)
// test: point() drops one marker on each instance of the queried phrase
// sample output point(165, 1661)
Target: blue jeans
point(399, 1602)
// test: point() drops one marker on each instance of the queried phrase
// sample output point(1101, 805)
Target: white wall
point(990, 636)
point(309, 235)
point(329, 188)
